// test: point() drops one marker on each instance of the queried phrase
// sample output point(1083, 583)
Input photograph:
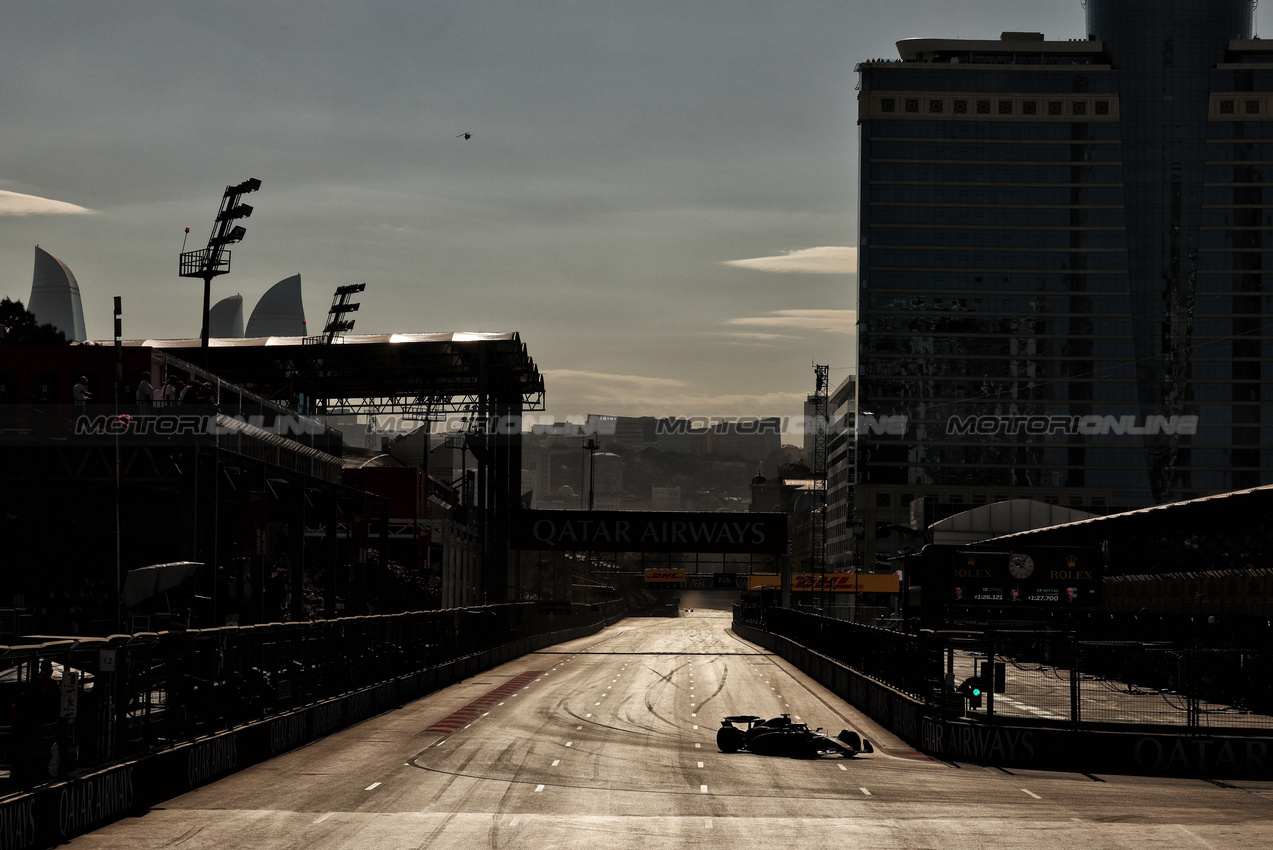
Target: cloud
point(15, 203)
point(831, 259)
point(826, 321)
point(760, 336)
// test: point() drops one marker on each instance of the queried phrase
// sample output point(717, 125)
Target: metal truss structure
point(488, 377)
point(410, 375)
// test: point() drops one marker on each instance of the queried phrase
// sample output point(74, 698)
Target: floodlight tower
point(214, 260)
point(337, 324)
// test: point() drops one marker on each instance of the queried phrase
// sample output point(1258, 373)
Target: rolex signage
point(1044, 575)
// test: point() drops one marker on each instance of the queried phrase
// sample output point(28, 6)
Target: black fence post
point(1076, 703)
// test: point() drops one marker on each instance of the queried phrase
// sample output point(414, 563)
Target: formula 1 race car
point(779, 736)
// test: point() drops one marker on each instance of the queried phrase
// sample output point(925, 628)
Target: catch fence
point(1048, 678)
point(80, 704)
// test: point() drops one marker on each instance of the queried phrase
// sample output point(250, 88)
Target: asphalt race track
point(609, 742)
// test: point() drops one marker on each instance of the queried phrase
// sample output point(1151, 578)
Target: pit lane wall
point(56, 812)
point(1038, 746)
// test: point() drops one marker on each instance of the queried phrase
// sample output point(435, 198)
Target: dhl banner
point(834, 582)
point(665, 575)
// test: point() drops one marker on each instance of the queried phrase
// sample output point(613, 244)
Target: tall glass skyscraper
point(1062, 258)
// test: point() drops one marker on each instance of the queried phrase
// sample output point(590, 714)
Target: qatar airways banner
point(650, 531)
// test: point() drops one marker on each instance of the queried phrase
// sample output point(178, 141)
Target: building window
point(1029, 107)
point(961, 107)
point(956, 499)
point(1078, 107)
point(983, 107)
point(1005, 107)
point(1055, 107)
point(888, 104)
point(1226, 107)
point(935, 105)
point(1252, 107)
point(912, 105)
point(1102, 107)
point(883, 500)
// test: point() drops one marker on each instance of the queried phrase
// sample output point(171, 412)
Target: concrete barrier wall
point(1165, 753)
point(54, 813)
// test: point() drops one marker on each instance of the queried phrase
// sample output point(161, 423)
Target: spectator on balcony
point(145, 394)
point(80, 393)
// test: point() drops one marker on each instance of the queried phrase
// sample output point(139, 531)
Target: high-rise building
point(841, 443)
point(1062, 263)
point(55, 296)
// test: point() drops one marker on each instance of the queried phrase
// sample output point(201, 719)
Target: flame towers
point(55, 296)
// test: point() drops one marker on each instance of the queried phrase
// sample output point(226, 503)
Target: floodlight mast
point(207, 263)
point(337, 324)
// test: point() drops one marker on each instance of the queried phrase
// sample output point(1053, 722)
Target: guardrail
point(77, 705)
point(1042, 700)
point(1047, 678)
point(883, 654)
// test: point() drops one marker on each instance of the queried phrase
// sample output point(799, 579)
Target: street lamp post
point(591, 447)
point(859, 550)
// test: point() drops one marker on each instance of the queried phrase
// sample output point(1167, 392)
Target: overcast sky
point(659, 195)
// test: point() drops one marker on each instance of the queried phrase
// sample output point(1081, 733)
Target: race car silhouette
point(779, 736)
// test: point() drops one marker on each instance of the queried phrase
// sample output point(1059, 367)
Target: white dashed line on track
point(1031, 793)
point(372, 787)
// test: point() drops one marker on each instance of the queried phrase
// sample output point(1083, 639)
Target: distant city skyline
point(661, 199)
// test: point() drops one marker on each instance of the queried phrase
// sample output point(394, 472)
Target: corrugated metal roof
point(347, 339)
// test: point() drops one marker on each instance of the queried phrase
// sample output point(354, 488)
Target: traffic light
point(974, 687)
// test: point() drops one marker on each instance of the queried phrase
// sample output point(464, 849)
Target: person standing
point(80, 392)
point(171, 392)
point(145, 394)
